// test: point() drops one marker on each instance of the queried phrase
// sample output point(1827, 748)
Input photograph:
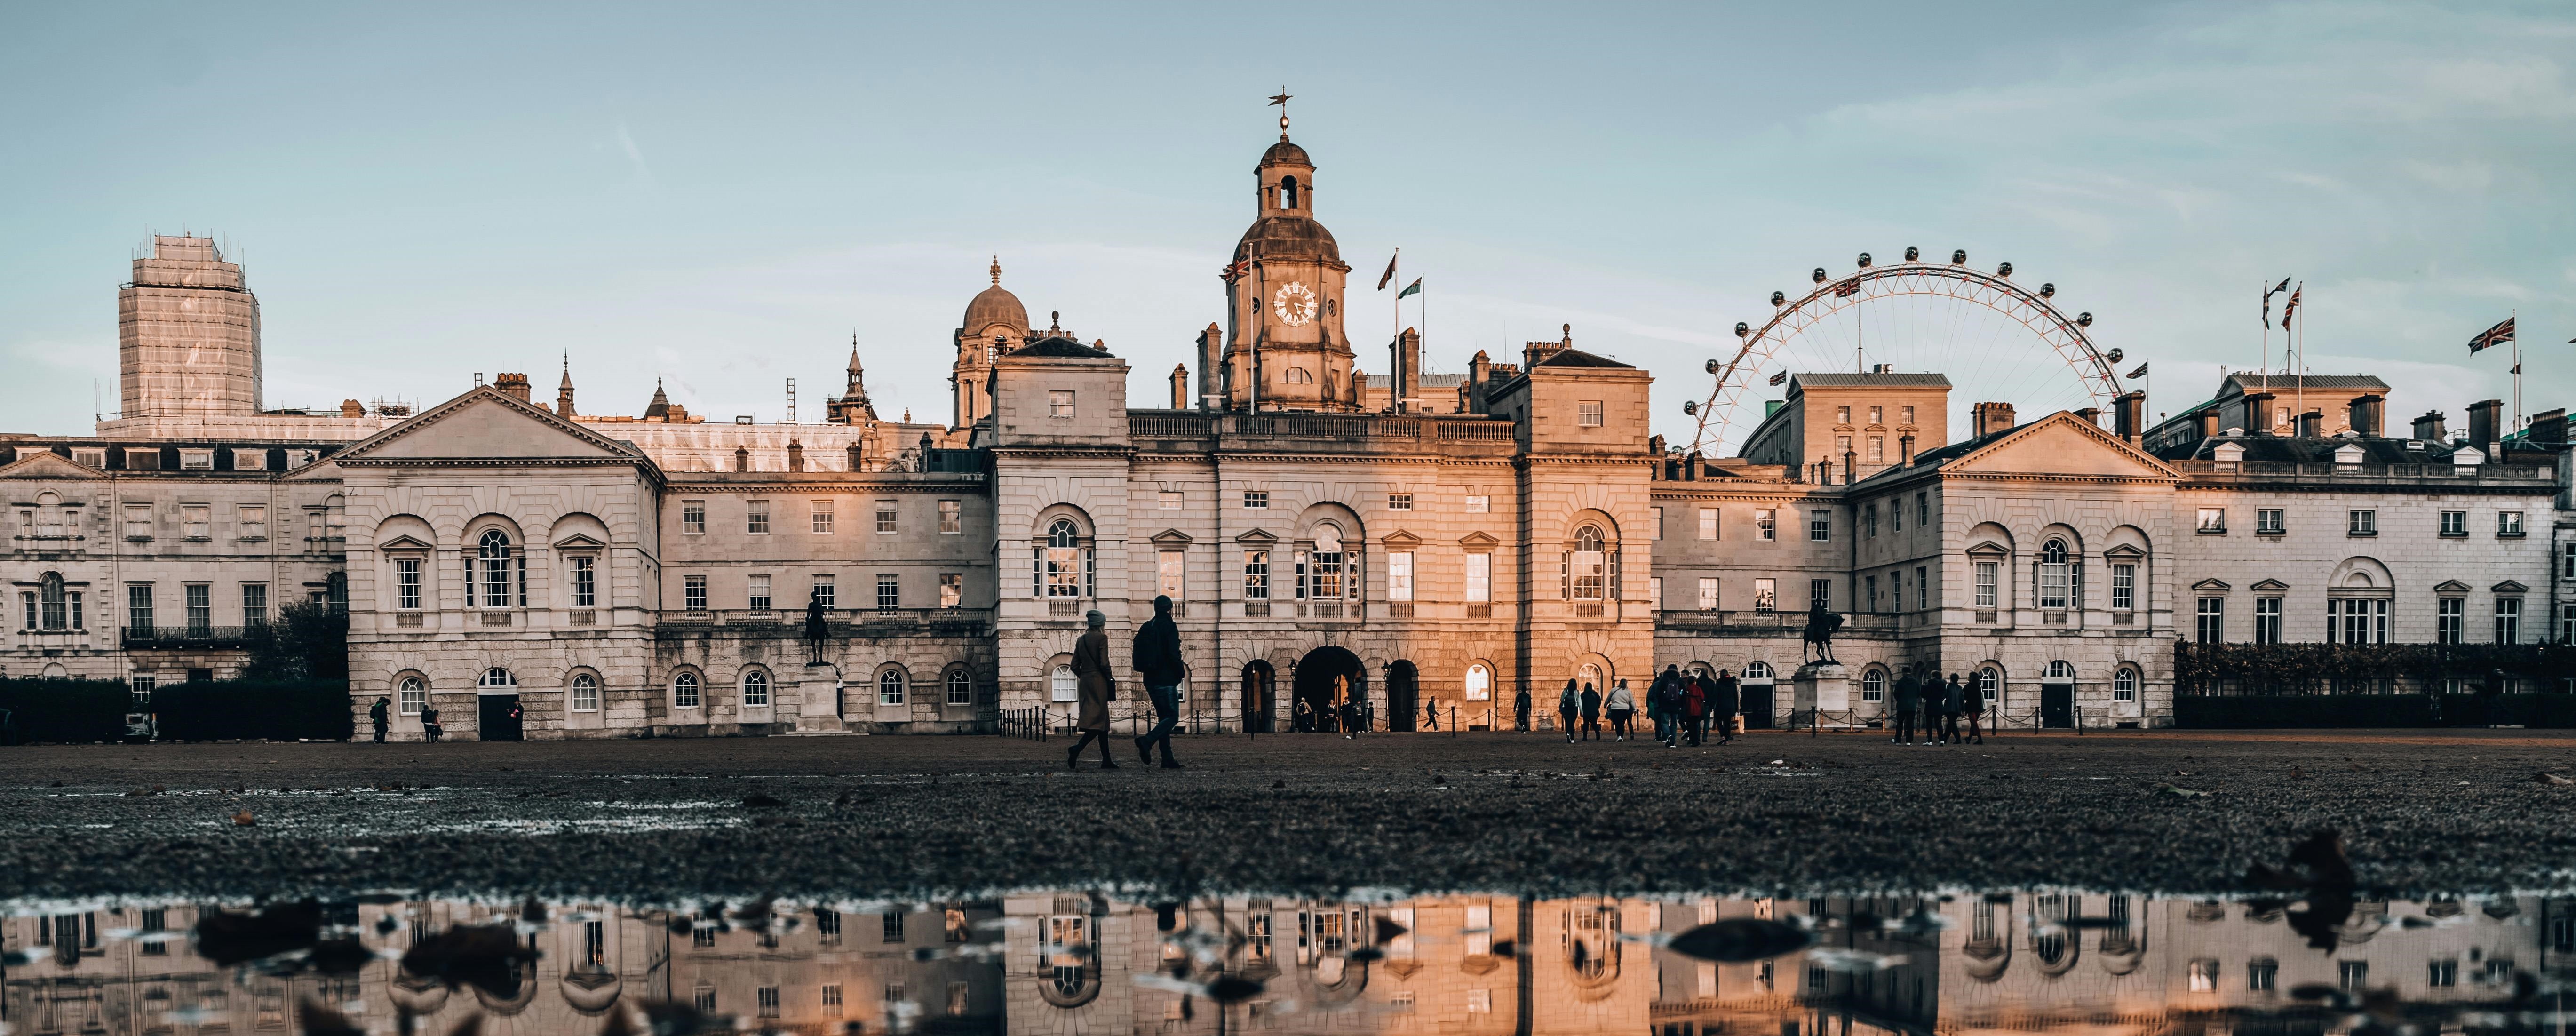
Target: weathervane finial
point(997, 271)
point(1281, 99)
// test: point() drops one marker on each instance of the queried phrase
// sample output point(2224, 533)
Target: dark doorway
point(1329, 679)
point(1403, 697)
point(1756, 702)
point(1260, 690)
point(499, 720)
point(2057, 704)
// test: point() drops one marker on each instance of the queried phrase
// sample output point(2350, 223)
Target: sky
point(722, 196)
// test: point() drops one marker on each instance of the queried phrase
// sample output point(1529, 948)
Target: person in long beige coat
point(1092, 676)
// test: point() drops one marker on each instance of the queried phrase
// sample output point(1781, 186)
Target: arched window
point(755, 689)
point(2060, 671)
point(411, 695)
point(1590, 675)
point(1758, 671)
point(1288, 192)
point(1873, 685)
point(495, 559)
point(1589, 566)
point(52, 606)
point(1480, 683)
point(498, 677)
point(1064, 564)
point(1298, 376)
point(1328, 571)
point(585, 693)
point(684, 691)
point(961, 687)
point(890, 687)
point(2053, 581)
point(1062, 686)
point(2124, 684)
point(1990, 682)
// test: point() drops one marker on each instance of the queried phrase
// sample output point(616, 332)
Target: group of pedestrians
point(1682, 706)
point(1156, 658)
point(1921, 692)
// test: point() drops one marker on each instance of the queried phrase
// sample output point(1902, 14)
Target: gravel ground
point(925, 817)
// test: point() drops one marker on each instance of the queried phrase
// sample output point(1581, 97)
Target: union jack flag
point(2497, 335)
point(1847, 288)
point(1235, 272)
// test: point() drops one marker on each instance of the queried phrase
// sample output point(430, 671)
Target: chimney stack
point(2429, 427)
point(1989, 418)
point(1407, 380)
point(2091, 415)
point(1211, 367)
point(2484, 428)
point(2312, 424)
point(2366, 417)
point(1180, 386)
point(514, 384)
point(2549, 428)
point(1479, 367)
point(2129, 415)
point(1905, 449)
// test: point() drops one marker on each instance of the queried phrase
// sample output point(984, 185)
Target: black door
point(2057, 705)
point(500, 718)
point(1756, 699)
point(1402, 709)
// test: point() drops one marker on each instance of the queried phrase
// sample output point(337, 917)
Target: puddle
point(1075, 962)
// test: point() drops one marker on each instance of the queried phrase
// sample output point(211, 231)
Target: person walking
point(1431, 713)
point(1692, 707)
point(1302, 717)
point(1621, 705)
point(1932, 714)
point(378, 712)
point(1591, 713)
point(1520, 710)
point(1663, 698)
point(1159, 667)
point(1972, 703)
point(1909, 698)
point(1096, 688)
point(1953, 699)
point(1726, 698)
point(1568, 706)
point(430, 728)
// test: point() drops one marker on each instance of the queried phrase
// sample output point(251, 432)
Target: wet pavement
point(663, 823)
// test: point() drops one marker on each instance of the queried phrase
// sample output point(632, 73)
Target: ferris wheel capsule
point(2048, 291)
point(1779, 298)
point(1691, 406)
point(1864, 260)
point(1711, 365)
point(1912, 253)
point(2004, 271)
point(1959, 256)
point(2084, 320)
point(2113, 356)
point(1741, 329)
point(1820, 275)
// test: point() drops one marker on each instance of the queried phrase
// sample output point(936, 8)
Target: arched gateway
point(1327, 679)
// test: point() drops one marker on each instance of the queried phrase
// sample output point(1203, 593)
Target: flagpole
point(2517, 367)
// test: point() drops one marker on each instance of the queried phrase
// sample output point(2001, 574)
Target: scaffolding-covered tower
point(187, 334)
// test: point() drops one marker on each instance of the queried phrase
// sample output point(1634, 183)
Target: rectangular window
point(889, 592)
point(138, 606)
point(1878, 415)
point(1168, 573)
point(585, 582)
point(407, 583)
point(756, 517)
point(2450, 626)
point(1869, 522)
point(254, 604)
point(1820, 525)
point(1060, 403)
point(1587, 413)
point(2352, 975)
point(197, 460)
point(2442, 973)
point(1708, 523)
point(891, 931)
point(1399, 501)
point(2213, 519)
point(1896, 515)
point(1989, 583)
point(2267, 521)
point(2262, 974)
point(693, 593)
point(2124, 587)
point(2209, 621)
point(952, 589)
point(767, 999)
point(1923, 508)
point(201, 608)
point(2508, 523)
point(1399, 576)
point(1820, 594)
point(826, 591)
point(2508, 620)
point(253, 523)
point(1256, 499)
point(1659, 523)
point(1922, 586)
point(1479, 503)
point(1905, 415)
point(693, 517)
point(1169, 499)
point(196, 521)
point(2360, 522)
point(757, 597)
point(1589, 572)
point(1480, 578)
point(1766, 596)
point(952, 518)
point(1870, 584)
point(1708, 593)
point(2204, 976)
point(2267, 620)
point(2455, 523)
point(1842, 445)
point(1878, 449)
point(1766, 524)
point(886, 523)
point(832, 1000)
point(1256, 575)
point(822, 517)
point(1842, 415)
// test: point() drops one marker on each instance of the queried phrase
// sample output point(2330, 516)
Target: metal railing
point(2520, 474)
point(184, 637)
point(1030, 724)
point(1333, 427)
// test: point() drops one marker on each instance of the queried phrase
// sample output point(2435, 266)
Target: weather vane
point(1281, 99)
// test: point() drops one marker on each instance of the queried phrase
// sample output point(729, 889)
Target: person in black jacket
point(1591, 713)
point(1159, 667)
point(377, 713)
point(1520, 710)
point(1952, 700)
point(1909, 697)
point(1725, 699)
point(1972, 703)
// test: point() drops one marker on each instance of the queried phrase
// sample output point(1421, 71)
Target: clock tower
point(1285, 349)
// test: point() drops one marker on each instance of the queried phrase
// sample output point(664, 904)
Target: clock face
point(1295, 304)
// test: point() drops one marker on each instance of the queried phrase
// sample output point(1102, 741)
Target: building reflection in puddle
point(1070, 964)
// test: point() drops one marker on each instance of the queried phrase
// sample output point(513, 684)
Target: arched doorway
point(1260, 686)
point(1754, 692)
point(1327, 679)
point(1403, 697)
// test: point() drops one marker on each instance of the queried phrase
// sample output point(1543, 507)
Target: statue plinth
point(1823, 692)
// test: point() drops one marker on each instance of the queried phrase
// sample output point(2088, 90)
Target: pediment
point(404, 543)
point(48, 465)
point(579, 541)
point(2270, 585)
point(2062, 444)
point(2510, 587)
point(2125, 550)
point(2450, 586)
point(1401, 539)
point(488, 425)
point(2210, 584)
point(1256, 536)
point(1478, 539)
point(1171, 536)
point(1989, 548)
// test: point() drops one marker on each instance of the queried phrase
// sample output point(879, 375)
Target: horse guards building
point(1407, 540)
